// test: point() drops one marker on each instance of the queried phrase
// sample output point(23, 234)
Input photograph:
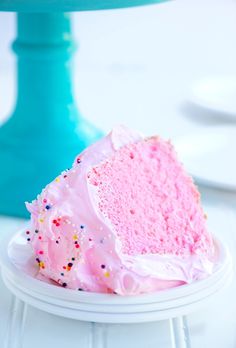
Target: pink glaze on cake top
point(126, 219)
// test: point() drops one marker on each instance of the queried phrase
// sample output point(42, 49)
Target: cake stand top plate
point(69, 5)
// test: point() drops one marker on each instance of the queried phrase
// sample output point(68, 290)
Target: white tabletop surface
point(138, 66)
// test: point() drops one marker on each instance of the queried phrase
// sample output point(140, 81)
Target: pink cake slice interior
point(152, 205)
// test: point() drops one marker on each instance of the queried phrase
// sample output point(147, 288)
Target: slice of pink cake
point(126, 218)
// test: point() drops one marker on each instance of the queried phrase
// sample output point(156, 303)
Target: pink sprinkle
point(131, 155)
point(41, 252)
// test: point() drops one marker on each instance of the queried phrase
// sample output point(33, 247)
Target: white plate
point(19, 276)
point(217, 94)
point(209, 156)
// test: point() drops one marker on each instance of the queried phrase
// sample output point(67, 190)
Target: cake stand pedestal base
point(178, 330)
point(46, 131)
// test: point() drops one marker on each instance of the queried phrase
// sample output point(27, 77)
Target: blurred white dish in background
point(209, 156)
point(217, 94)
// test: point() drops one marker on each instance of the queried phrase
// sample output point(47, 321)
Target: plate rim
point(107, 299)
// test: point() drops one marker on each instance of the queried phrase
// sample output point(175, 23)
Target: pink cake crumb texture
point(151, 203)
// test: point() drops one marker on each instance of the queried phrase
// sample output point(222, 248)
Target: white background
point(140, 64)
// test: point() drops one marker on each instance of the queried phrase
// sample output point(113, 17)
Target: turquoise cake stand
point(46, 130)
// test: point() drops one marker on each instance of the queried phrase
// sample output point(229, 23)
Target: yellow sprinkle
point(107, 274)
point(41, 220)
point(57, 179)
point(41, 264)
point(75, 237)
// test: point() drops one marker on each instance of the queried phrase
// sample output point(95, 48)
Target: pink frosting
point(78, 248)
